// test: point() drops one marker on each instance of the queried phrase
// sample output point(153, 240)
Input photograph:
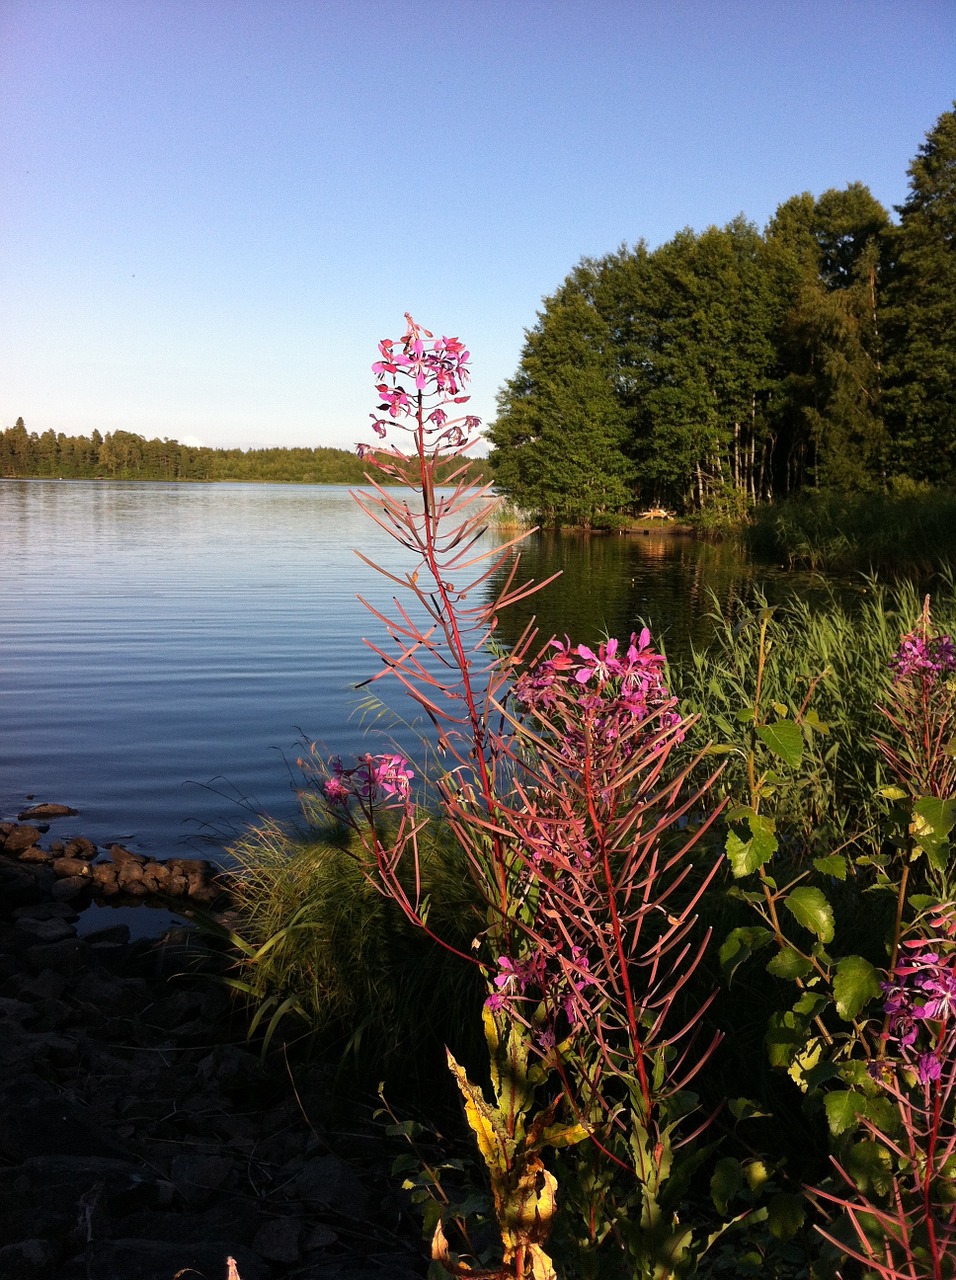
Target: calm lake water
point(165, 649)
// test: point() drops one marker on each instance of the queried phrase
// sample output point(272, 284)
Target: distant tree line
point(730, 366)
point(121, 455)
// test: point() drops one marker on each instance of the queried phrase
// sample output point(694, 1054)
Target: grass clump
point(317, 944)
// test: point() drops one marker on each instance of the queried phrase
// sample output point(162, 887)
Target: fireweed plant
point(873, 1054)
point(558, 780)
point(901, 1220)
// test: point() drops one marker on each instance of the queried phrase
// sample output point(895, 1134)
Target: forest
point(732, 367)
point(122, 455)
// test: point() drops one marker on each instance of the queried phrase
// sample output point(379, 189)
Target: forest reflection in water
point(613, 584)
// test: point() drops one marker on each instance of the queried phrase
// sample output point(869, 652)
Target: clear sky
point(213, 209)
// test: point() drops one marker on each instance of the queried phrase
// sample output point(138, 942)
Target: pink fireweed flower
point(392, 775)
point(603, 664)
point(925, 657)
point(336, 792)
point(394, 399)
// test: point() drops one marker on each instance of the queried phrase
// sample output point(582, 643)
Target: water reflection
point(612, 584)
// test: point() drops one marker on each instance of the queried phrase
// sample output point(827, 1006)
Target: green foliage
point(121, 455)
point(912, 530)
point(920, 313)
point(823, 675)
point(731, 367)
point(561, 430)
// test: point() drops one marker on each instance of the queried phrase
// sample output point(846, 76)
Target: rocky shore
point(141, 1138)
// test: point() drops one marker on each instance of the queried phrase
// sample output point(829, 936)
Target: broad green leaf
point(854, 984)
point(892, 793)
point(870, 1165)
point(788, 963)
point(810, 908)
point(833, 864)
point(786, 1036)
point(756, 1173)
point(746, 1109)
point(842, 1108)
point(785, 1215)
point(784, 739)
point(932, 822)
point(726, 1181)
point(781, 709)
point(746, 856)
point(739, 946)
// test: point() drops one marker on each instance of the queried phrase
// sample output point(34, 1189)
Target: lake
point(166, 648)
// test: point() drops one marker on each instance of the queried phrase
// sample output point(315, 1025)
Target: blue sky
point(213, 209)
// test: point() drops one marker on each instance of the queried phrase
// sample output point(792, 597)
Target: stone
point(197, 1176)
point(21, 838)
point(159, 1260)
point(70, 867)
point(71, 887)
point(327, 1180)
point(279, 1240)
point(35, 854)
point(122, 857)
point(28, 1260)
point(47, 811)
point(79, 847)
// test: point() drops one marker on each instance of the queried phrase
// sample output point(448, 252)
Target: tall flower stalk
point(556, 780)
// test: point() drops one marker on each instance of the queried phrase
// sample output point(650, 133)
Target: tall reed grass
point(831, 655)
point(910, 531)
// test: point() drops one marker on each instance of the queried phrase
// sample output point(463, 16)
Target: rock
point(28, 1260)
point(196, 1177)
point(21, 838)
point(79, 847)
point(279, 1240)
point(35, 854)
point(327, 1180)
point(50, 1127)
point(158, 1260)
point(70, 867)
point(47, 811)
point(71, 887)
point(122, 857)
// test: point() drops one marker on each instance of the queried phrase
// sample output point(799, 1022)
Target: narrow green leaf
point(810, 908)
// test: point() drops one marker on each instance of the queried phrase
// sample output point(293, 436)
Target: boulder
point(44, 811)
